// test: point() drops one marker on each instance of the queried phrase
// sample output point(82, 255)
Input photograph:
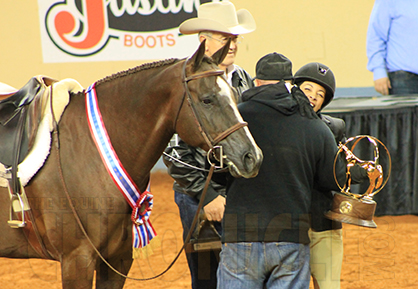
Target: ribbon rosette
point(143, 208)
point(144, 236)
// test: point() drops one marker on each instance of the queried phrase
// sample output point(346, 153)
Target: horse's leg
point(77, 270)
point(106, 278)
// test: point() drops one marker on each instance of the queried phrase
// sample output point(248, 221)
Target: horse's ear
point(220, 55)
point(197, 57)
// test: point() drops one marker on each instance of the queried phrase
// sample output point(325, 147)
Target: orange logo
point(85, 27)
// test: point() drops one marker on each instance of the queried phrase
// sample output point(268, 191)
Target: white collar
point(230, 70)
point(289, 86)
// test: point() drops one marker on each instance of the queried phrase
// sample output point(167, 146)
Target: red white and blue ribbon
point(143, 234)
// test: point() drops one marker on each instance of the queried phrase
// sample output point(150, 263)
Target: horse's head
point(209, 117)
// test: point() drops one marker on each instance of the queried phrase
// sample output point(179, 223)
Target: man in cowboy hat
point(215, 23)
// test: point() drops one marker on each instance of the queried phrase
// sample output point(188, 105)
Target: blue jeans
point(403, 83)
point(202, 265)
point(264, 265)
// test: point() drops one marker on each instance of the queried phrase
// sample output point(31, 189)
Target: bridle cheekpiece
point(210, 141)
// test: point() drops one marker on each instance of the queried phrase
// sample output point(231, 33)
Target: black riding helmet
point(320, 74)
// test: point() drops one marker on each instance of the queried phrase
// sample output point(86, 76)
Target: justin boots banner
point(105, 30)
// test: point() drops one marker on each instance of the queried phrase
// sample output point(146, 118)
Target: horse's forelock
point(209, 60)
point(206, 64)
point(136, 69)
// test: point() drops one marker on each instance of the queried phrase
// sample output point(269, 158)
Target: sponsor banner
point(115, 30)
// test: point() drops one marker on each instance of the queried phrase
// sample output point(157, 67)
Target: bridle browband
point(210, 141)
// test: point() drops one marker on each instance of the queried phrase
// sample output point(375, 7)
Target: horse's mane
point(136, 69)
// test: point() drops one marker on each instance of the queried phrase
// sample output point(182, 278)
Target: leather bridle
point(210, 141)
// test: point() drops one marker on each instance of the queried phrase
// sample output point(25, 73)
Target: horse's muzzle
point(251, 165)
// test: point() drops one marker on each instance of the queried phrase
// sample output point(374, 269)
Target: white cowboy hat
point(219, 17)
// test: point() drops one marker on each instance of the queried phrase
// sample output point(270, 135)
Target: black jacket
point(298, 154)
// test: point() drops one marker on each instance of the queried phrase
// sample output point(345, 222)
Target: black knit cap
point(274, 66)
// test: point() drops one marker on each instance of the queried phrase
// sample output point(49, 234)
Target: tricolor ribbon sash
point(144, 237)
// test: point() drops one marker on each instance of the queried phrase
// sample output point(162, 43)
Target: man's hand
point(382, 85)
point(215, 210)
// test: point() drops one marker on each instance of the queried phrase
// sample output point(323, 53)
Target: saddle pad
point(42, 145)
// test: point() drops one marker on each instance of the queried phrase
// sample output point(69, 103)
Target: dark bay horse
point(141, 108)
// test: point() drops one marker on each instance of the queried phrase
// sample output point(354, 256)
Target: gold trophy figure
point(358, 209)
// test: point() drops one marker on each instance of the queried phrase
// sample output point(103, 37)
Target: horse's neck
point(138, 118)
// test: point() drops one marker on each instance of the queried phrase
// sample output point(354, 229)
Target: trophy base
point(352, 211)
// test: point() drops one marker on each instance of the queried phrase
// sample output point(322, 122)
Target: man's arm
point(377, 37)
point(382, 85)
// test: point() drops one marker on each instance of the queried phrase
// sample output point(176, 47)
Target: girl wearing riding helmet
point(317, 81)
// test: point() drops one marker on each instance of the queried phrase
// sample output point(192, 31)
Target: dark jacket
point(322, 200)
point(241, 80)
point(189, 180)
point(298, 155)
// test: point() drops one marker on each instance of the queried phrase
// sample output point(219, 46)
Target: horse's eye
point(208, 99)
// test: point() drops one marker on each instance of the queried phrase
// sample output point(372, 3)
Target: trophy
point(354, 208)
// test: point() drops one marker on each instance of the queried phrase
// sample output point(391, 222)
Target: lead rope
point(80, 224)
